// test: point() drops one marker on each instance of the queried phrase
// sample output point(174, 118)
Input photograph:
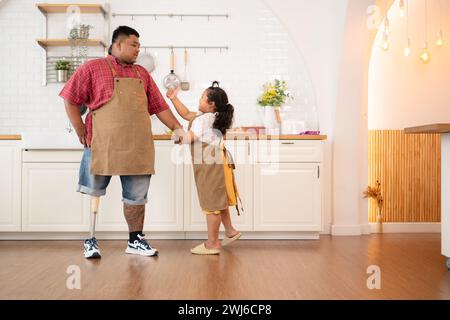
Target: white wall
point(317, 29)
point(327, 65)
point(403, 91)
point(350, 136)
point(260, 49)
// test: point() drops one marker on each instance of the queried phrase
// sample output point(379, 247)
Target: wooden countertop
point(243, 136)
point(233, 136)
point(10, 137)
point(430, 128)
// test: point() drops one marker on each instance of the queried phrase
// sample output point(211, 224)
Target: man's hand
point(81, 131)
point(73, 112)
point(178, 135)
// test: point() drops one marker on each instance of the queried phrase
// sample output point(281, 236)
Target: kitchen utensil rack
point(205, 48)
point(171, 15)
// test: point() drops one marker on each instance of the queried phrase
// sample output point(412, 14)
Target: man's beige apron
point(122, 141)
point(210, 178)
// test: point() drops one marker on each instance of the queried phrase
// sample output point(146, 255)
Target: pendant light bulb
point(440, 40)
point(407, 50)
point(425, 55)
point(385, 45)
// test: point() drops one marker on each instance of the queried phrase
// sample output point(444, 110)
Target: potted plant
point(62, 68)
point(274, 95)
point(375, 193)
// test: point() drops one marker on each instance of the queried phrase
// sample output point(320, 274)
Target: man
point(117, 135)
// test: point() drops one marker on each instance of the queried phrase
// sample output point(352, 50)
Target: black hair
point(224, 110)
point(122, 31)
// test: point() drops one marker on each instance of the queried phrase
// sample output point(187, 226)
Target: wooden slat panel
point(409, 169)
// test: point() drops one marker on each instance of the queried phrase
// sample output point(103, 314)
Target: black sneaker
point(91, 250)
point(141, 247)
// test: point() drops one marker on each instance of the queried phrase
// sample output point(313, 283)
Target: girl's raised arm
point(182, 110)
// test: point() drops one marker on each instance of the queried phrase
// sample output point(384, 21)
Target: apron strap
point(114, 72)
point(232, 165)
point(136, 71)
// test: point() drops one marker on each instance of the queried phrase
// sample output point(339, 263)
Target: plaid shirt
point(92, 84)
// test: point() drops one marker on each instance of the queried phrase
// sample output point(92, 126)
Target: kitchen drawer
point(289, 151)
point(52, 155)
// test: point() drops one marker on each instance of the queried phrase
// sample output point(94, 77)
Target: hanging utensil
point(185, 83)
point(171, 80)
point(147, 61)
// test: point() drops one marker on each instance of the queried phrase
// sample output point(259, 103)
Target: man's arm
point(74, 115)
point(169, 120)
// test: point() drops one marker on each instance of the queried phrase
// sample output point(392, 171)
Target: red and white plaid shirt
point(92, 84)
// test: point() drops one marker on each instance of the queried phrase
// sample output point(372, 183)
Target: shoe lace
point(144, 242)
point(92, 243)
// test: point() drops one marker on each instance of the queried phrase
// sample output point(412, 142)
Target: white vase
point(270, 121)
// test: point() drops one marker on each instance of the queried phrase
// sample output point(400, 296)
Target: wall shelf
point(44, 43)
point(62, 8)
point(74, 64)
point(72, 8)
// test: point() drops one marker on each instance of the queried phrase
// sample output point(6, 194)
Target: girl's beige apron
point(122, 141)
point(210, 177)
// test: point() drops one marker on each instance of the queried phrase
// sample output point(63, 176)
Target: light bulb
point(440, 41)
point(425, 55)
point(407, 50)
point(385, 44)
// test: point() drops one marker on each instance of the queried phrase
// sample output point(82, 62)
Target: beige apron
point(210, 178)
point(122, 141)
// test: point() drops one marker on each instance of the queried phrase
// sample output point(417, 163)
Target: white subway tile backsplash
point(259, 50)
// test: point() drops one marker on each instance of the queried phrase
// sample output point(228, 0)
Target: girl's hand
point(172, 93)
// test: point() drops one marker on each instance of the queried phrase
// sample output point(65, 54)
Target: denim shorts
point(134, 188)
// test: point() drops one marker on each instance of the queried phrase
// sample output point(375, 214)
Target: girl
point(214, 179)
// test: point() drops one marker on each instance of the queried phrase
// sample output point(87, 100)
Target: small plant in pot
point(62, 68)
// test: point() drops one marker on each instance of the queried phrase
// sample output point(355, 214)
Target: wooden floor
point(330, 268)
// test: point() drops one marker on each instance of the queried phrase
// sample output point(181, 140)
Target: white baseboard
point(326, 229)
point(110, 235)
point(350, 230)
point(270, 235)
point(407, 227)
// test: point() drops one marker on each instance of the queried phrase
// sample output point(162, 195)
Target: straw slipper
point(226, 241)
point(201, 249)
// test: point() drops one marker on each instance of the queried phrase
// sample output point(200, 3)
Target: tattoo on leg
point(134, 216)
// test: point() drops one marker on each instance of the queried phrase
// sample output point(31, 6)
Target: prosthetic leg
point(91, 249)
point(94, 209)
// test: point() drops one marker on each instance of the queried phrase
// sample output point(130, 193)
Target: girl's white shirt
point(202, 127)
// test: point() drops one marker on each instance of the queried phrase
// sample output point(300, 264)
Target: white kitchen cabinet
point(287, 197)
point(164, 210)
point(10, 182)
point(279, 182)
point(49, 198)
point(287, 188)
point(194, 219)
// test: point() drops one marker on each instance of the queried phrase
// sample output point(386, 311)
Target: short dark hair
point(123, 31)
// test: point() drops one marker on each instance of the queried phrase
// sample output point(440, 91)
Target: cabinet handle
point(288, 143)
point(318, 172)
